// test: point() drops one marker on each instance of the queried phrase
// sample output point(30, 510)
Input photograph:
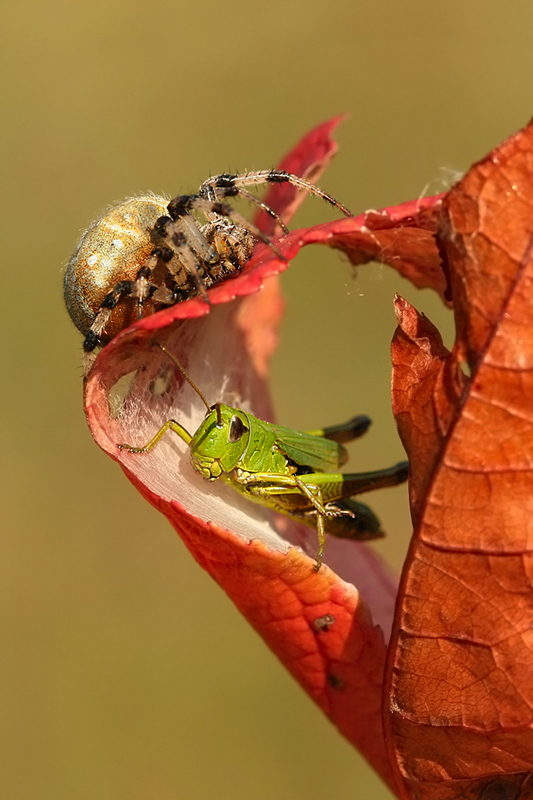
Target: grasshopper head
point(220, 441)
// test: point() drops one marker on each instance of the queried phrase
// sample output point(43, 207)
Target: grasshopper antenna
point(184, 373)
point(192, 383)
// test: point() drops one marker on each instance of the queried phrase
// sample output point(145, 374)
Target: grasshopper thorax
point(220, 442)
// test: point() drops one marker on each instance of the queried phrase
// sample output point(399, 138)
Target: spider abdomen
point(112, 250)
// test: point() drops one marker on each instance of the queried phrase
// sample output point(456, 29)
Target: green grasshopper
point(289, 471)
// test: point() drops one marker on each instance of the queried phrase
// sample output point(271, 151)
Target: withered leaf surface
point(460, 678)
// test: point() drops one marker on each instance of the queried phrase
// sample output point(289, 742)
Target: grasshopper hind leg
point(345, 519)
point(346, 431)
point(321, 542)
point(356, 521)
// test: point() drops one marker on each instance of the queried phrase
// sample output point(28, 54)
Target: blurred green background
point(125, 672)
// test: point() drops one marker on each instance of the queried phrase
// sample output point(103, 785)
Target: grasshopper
point(293, 472)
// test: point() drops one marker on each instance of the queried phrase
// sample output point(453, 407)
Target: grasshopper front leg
point(171, 425)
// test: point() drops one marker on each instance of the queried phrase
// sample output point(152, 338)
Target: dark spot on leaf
point(335, 682)
point(501, 789)
point(323, 623)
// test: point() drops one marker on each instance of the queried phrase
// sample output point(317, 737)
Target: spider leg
point(181, 207)
point(225, 187)
point(110, 301)
point(177, 270)
point(185, 239)
point(139, 289)
point(185, 224)
point(161, 293)
point(142, 289)
point(274, 176)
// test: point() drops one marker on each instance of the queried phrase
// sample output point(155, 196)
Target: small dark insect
point(148, 253)
point(324, 623)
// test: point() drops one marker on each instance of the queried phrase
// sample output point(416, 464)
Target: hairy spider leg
point(272, 176)
point(222, 190)
point(140, 288)
point(181, 207)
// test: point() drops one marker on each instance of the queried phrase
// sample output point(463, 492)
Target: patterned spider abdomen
point(110, 253)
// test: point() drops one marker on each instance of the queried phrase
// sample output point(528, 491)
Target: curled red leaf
point(329, 634)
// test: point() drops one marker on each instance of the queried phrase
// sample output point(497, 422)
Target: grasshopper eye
point(237, 429)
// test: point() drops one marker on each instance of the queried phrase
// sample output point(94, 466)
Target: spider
point(147, 252)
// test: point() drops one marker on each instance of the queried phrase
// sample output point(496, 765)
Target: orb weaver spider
point(148, 252)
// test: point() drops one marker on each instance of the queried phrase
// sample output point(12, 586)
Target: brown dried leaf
point(460, 679)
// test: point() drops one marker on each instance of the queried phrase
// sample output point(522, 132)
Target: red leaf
point(317, 623)
point(461, 673)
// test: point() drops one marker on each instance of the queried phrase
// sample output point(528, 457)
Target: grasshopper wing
point(308, 450)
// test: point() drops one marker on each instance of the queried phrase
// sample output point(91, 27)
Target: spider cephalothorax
point(147, 252)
